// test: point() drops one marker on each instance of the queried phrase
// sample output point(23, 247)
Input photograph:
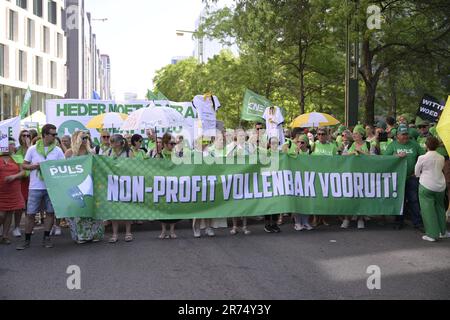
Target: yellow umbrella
point(443, 127)
point(111, 120)
point(314, 119)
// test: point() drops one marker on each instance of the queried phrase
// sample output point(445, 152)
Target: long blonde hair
point(77, 141)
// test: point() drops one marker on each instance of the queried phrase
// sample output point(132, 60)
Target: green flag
point(254, 106)
point(26, 104)
point(151, 95)
point(161, 96)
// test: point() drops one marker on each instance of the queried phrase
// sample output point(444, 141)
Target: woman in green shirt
point(136, 147)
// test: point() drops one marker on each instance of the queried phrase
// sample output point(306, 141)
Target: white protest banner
point(10, 128)
point(72, 115)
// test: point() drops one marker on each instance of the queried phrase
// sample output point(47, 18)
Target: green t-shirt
point(363, 148)
point(412, 150)
point(324, 149)
point(139, 154)
point(151, 145)
point(383, 145)
point(339, 141)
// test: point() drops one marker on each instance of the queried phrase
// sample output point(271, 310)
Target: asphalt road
point(327, 263)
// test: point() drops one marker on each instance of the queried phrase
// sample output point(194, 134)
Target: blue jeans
point(412, 202)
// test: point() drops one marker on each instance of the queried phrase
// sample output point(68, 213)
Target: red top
point(11, 198)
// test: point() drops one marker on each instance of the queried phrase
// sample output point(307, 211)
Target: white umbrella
point(153, 117)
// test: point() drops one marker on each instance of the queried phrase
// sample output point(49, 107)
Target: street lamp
point(180, 33)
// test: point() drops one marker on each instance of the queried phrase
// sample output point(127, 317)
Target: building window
point(59, 40)
point(22, 69)
point(2, 60)
point(30, 33)
point(53, 74)
point(13, 25)
point(37, 8)
point(52, 12)
point(22, 3)
point(38, 70)
point(45, 39)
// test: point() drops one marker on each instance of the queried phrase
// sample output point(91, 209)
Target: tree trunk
point(301, 66)
point(371, 89)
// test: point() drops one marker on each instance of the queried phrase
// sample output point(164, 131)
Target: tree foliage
point(293, 52)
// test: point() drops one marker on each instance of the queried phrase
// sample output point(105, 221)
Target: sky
point(140, 38)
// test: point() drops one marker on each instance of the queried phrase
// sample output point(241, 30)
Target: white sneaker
point(361, 224)
point(427, 238)
point(246, 231)
point(16, 233)
point(52, 232)
point(210, 232)
point(58, 231)
point(308, 227)
point(197, 233)
point(298, 227)
point(345, 224)
point(445, 236)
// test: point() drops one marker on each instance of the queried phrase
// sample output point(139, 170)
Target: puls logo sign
point(66, 170)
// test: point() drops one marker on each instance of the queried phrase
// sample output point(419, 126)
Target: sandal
point(128, 237)
point(173, 236)
point(234, 231)
point(113, 239)
point(163, 236)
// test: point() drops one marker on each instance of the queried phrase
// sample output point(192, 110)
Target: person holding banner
point(301, 221)
point(11, 199)
point(429, 169)
point(136, 147)
point(323, 147)
point(119, 149)
point(240, 148)
point(83, 229)
point(44, 150)
point(168, 145)
point(403, 147)
point(105, 143)
point(201, 148)
point(156, 152)
point(271, 221)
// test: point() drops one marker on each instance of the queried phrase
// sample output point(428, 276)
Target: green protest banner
point(254, 106)
point(129, 189)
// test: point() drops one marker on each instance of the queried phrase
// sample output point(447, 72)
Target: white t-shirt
point(206, 110)
point(34, 157)
point(274, 121)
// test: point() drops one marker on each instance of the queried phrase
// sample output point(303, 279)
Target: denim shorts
point(38, 200)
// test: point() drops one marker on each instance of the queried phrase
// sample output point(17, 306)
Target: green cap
point(402, 129)
point(360, 129)
point(341, 129)
point(421, 122)
point(304, 138)
point(381, 124)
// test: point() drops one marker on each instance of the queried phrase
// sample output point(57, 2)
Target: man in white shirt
point(44, 150)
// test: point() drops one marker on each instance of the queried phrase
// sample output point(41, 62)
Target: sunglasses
point(321, 134)
point(85, 138)
point(53, 134)
point(422, 127)
point(173, 143)
point(26, 136)
point(302, 142)
point(106, 137)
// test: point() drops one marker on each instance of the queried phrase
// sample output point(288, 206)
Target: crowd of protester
point(22, 188)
